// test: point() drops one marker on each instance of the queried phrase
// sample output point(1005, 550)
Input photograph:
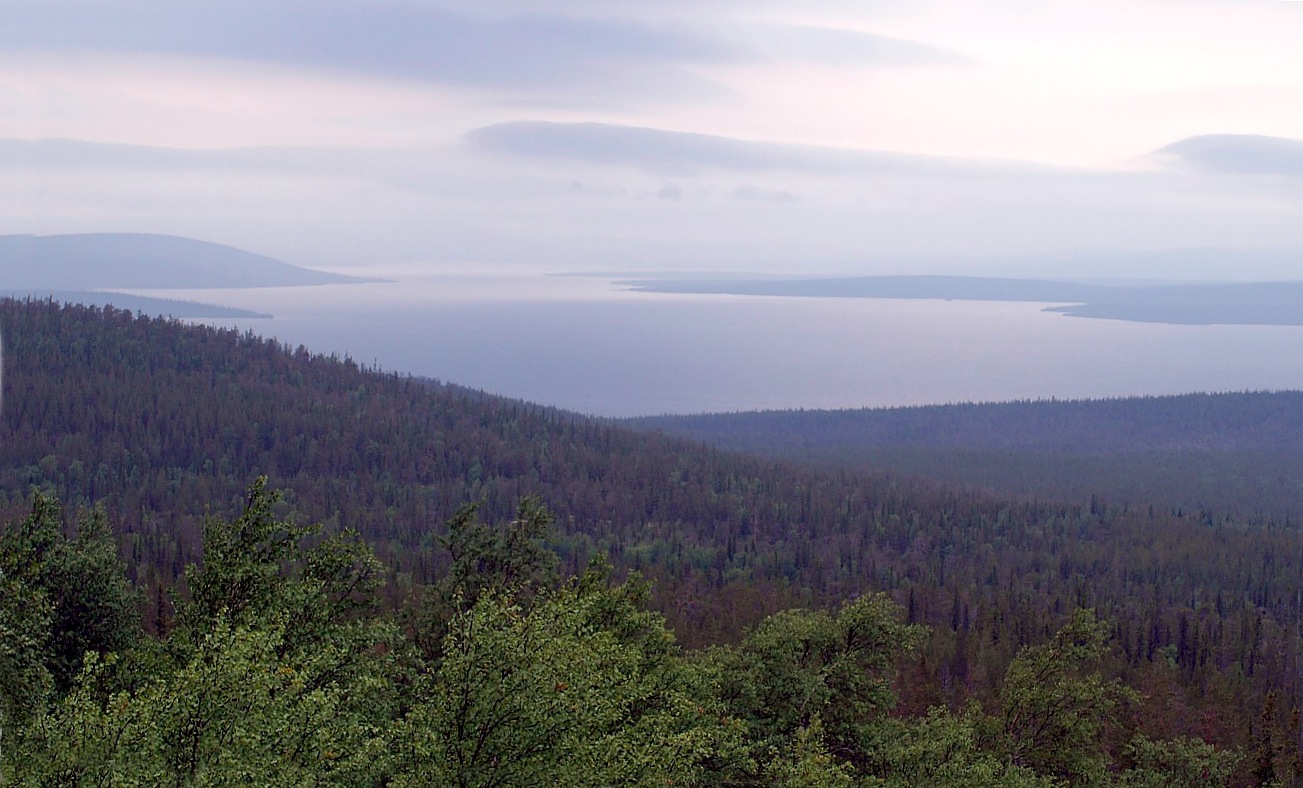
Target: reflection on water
point(587, 345)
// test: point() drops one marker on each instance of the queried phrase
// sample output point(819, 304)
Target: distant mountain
point(96, 261)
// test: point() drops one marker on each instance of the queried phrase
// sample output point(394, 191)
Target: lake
point(588, 344)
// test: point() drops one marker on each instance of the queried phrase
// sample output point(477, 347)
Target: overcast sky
point(771, 136)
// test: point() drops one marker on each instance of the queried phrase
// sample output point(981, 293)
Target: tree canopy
point(282, 669)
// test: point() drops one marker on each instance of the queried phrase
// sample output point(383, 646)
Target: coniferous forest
point(1236, 454)
point(224, 560)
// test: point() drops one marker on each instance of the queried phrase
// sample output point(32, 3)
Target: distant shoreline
point(1247, 303)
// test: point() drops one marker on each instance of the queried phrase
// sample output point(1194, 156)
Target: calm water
point(587, 345)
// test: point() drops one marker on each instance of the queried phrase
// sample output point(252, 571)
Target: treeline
point(164, 423)
point(280, 668)
point(1235, 454)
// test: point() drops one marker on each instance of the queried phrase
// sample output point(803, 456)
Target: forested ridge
point(1238, 453)
point(1194, 634)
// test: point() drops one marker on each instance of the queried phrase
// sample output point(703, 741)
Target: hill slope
point(1239, 453)
point(166, 424)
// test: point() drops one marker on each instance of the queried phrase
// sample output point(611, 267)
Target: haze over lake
point(591, 345)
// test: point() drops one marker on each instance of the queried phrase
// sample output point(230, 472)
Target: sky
point(768, 136)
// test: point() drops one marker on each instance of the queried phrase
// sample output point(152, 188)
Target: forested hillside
point(167, 424)
point(281, 669)
point(1237, 454)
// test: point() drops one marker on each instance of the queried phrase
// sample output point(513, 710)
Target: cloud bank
point(675, 151)
point(775, 135)
point(1238, 154)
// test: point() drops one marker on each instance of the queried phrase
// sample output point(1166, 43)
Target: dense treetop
point(281, 670)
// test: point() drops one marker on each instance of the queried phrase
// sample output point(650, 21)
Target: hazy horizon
point(590, 345)
point(834, 138)
point(495, 144)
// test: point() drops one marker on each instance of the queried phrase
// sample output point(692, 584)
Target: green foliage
point(96, 609)
point(808, 764)
point(502, 559)
point(25, 680)
point(74, 589)
point(572, 691)
point(240, 577)
point(257, 569)
point(274, 670)
point(1056, 706)
point(1179, 763)
point(236, 712)
point(943, 749)
point(801, 665)
point(508, 559)
point(282, 672)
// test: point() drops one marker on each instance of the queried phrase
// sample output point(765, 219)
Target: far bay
point(588, 344)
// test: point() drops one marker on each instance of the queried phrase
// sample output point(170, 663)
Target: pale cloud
point(839, 48)
point(777, 134)
point(644, 198)
point(1052, 78)
point(383, 38)
point(1237, 154)
point(589, 58)
point(204, 103)
point(748, 192)
point(674, 151)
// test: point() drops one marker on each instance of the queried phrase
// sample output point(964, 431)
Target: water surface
point(587, 344)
